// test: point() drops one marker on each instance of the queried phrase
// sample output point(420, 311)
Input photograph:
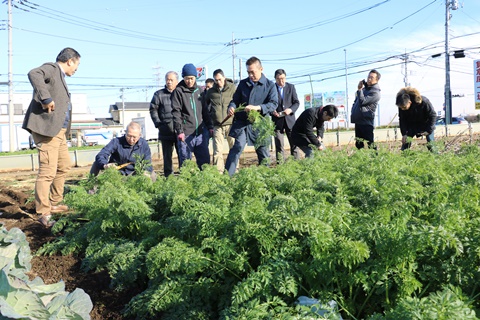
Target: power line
point(316, 24)
point(110, 44)
point(30, 7)
point(356, 41)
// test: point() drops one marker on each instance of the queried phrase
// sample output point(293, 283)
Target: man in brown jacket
point(48, 119)
point(217, 99)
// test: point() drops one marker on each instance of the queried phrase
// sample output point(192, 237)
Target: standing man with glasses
point(284, 115)
point(48, 119)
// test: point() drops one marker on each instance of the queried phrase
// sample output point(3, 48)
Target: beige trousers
point(219, 134)
point(54, 164)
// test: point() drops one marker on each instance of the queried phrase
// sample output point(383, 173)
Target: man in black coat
point(161, 114)
point(417, 116)
point(284, 115)
point(311, 120)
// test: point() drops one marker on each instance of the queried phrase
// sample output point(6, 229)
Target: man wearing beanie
point(191, 119)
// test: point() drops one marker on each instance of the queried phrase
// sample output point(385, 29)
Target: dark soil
point(17, 210)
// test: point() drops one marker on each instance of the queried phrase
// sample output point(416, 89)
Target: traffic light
point(459, 54)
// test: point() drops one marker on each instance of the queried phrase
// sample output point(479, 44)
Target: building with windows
point(82, 118)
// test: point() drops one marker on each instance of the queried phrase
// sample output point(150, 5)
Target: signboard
point(202, 73)
point(336, 98)
point(476, 74)
point(317, 100)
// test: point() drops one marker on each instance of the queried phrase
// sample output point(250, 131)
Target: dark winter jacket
point(365, 105)
point(218, 100)
point(161, 114)
point(263, 94)
point(190, 116)
point(420, 117)
point(119, 151)
point(303, 133)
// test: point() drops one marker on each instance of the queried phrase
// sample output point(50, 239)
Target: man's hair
point(209, 80)
point(67, 54)
point(279, 72)
point(376, 72)
point(134, 126)
point(402, 99)
point(331, 110)
point(218, 71)
point(171, 72)
point(253, 60)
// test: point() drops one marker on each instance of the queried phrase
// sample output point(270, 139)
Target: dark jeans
point(236, 152)
point(167, 151)
point(364, 132)
point(197, 145)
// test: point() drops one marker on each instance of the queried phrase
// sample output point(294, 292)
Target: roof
point(130, 106)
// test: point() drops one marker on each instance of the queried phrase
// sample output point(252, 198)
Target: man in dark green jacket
point(217, 100)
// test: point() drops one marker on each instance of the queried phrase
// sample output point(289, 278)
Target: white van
point(97, 137)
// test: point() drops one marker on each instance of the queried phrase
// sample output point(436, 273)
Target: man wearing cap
point(191, 119)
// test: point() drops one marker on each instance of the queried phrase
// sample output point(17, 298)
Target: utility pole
point(233, 43)
point(346, 91)
point(240, 69)
point(312, 100)
point(10, 80)
point(405, 76)
point(449, 4)
point(156, 74)
point(122, 90)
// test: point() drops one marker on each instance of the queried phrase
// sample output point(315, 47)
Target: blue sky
point(132, 45)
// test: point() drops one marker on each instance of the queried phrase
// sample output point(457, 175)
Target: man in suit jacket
point(48, 119)
point(284, 115)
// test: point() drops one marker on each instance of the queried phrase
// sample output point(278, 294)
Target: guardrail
point(81, 158)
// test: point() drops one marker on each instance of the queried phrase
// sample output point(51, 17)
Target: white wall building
point(82, 118)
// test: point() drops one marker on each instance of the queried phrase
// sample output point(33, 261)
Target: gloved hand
point(181, 137)
point(109, 165)
point(210, 133)
point(424, 133)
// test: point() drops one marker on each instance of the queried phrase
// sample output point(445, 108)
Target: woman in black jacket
point(417, 116)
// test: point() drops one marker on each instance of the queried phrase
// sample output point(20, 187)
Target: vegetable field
point(386, 235)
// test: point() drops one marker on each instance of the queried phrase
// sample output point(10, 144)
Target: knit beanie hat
point(189, 70)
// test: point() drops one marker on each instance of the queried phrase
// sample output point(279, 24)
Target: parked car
point(455, 120)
